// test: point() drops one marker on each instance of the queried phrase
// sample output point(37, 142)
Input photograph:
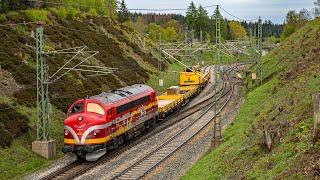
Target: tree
point(111, 8)
point(237, 31)
point(169, 34)
point(140, 25)
point(317, 8)
point(202, 22)
point(123, 12)
point(191, 17)
point(295, 21)
point(287, 31)
point(174, 24)
point(153, 31)
point(304, 14)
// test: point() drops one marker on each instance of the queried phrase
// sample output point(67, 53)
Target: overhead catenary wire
point(232, 15)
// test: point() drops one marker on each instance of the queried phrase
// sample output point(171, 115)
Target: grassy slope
point(283, 104)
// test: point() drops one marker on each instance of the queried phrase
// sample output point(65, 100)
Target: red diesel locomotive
point(105, 121)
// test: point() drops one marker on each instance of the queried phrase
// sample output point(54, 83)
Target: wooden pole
point(316, 108)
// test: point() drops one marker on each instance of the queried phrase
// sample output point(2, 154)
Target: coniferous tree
point(202, 23)
point(123, 12)
point(191, 17)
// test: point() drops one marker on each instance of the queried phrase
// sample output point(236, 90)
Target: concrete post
point(316, 108)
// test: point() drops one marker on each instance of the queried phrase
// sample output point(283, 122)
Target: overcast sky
point(274, 10)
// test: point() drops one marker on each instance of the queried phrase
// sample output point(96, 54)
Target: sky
point(274, 10)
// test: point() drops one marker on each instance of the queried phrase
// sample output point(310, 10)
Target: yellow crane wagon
point(191, 84)
point(193, 76)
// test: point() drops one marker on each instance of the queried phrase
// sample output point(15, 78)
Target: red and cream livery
point(107, 120)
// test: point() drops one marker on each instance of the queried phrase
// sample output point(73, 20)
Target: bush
point(21, 29)
point(37, 15)
point(13, 14)
point(60, 12)
point(3, 18)
point(93, 12)
point(72, 12)
point(287, 31)
point(12, 125)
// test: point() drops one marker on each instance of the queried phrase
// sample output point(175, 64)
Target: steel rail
point(173, 119)
point(129, 173)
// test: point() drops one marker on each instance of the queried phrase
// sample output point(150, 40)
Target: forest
point(197, 22)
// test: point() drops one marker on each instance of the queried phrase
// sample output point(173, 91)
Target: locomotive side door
point(113, 118)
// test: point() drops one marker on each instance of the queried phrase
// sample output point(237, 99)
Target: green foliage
point(288, 30)
point(154, 30)
point(203, 21)
point(191, 17)
point(60, 12)
point(111, 8)
point(13, 14)
point(197, 19)
point(237, 31)
point(294, 21)
point(37, 15)
point(21, 29)
point(168, 34)
point(273, 40)
point(12, 125)
point(140, 25)
point(72, 12)
point(123, 12)
point(93, 12)
point(174, 24)
point(3, 17)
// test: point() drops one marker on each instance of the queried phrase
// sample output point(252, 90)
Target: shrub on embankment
point(283, 108)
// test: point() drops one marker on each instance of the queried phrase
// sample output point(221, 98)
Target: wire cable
point(240, 19)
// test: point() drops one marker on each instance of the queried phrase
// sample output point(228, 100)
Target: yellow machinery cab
point(192, 76)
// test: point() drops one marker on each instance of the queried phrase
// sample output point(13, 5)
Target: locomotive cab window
point(95, 108)
point(76, 108)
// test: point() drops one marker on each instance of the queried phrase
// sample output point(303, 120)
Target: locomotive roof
point(119, 94)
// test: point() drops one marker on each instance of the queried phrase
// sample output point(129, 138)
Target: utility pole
point(217, 122)
point(260, 48)
point(42, 89)
point(44, 146)
point(160, 83)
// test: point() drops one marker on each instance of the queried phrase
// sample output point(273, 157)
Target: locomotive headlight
point(66, 132)
point(94, 133)
point(80, 118)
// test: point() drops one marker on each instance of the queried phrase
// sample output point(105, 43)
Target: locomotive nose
point(74, 127)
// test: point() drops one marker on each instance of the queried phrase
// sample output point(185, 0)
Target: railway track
point(166, 149)
point(80, 167)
